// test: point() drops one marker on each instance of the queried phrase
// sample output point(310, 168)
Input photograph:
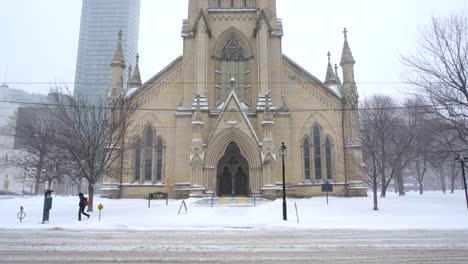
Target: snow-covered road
point(289, 246)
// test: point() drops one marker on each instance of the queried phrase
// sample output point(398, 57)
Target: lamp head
point(282, 149)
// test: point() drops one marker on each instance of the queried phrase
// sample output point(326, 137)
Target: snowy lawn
point(433, 210)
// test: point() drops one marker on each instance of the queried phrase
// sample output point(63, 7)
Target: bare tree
point(91, 132)
point(371, 144)
point(386, 137)
point(34, 133)
point(438, 68)
point(400, 139)
point(424, 148)
point(378, 115)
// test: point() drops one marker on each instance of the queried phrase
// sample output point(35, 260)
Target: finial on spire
point(338, 80)
point(137, 58)
point(232, 84)
point(129, 72)
point(330, 77)
point(346, 55)
point(196, 114)
point(119, 59)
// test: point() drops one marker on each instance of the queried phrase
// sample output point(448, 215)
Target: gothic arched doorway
point(233, 173)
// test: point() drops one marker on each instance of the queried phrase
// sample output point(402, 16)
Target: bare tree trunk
point(36, 183)
point(443, 185)
point(452, 184)
point(400, 184)
point(90, 196)
point(374, 191)
point(80, 182)
point(421, 187)
point(382, 173)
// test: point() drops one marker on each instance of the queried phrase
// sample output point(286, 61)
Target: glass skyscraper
point(101, 20)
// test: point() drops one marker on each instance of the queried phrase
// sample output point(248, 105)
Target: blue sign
point(327, 187)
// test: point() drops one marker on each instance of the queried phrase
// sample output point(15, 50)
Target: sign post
point(327, 187)
point(100, 207)
point(21, 215)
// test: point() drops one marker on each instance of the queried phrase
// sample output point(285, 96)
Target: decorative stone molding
point(231, 17)
point(157, 84)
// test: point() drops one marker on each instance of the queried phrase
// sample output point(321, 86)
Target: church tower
point(232, 62)
point(350, 98)
point(232, 39)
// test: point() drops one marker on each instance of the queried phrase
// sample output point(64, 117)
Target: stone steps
point(231, 201)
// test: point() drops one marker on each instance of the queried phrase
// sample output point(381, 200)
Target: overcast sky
point(39, 38)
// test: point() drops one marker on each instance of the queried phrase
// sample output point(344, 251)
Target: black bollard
point(47, 205)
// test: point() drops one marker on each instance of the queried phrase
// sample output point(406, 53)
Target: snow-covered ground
point(433, 210)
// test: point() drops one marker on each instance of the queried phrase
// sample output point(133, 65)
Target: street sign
point(327, 187)
point(100, 207)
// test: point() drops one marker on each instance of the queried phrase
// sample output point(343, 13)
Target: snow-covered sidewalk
point(433, 210)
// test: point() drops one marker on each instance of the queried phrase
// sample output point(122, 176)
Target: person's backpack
point(85, 201)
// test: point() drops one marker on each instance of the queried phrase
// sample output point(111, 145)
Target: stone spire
point(118, 66)
point(330, 78)
point(135, 80)
point(347, 55)
point(338, 80)
point(347, 62)
point(118, 59)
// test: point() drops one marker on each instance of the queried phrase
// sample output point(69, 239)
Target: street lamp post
point(283, 153)
point(462, 161)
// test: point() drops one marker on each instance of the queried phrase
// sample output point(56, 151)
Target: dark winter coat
point(81, 204)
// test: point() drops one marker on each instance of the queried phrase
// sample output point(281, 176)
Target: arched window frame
point(160, 159)
point(306, 159)
point(329, 158)
point(317, 152)
point(227, 58)
point(137, 159)
point(149, 134)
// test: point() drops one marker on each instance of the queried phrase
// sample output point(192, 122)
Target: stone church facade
point(212, 121)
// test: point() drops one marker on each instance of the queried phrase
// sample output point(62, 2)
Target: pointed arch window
point(317, 154)
point(137, 160)
point(233, 64)
point(149, 135)
point(160, 160)
point(306, 153)
point(328, 158)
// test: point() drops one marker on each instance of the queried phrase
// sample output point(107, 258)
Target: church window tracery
point(306, 154)
point(233, 72)
point(317, 154)
point(232, 4)
point(159, 160)
point(148, 153)
point(328, 159)
point(137, 159)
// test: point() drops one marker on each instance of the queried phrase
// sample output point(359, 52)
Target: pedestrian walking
point(83, 203)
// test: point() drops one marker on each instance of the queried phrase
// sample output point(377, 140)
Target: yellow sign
point(100, 207)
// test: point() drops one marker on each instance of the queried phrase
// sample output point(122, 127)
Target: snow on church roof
point(332, 88)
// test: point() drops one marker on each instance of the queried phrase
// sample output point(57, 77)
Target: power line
point(290, 110)
point(109, 83)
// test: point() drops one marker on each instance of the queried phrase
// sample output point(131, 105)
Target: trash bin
point(47, 205)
